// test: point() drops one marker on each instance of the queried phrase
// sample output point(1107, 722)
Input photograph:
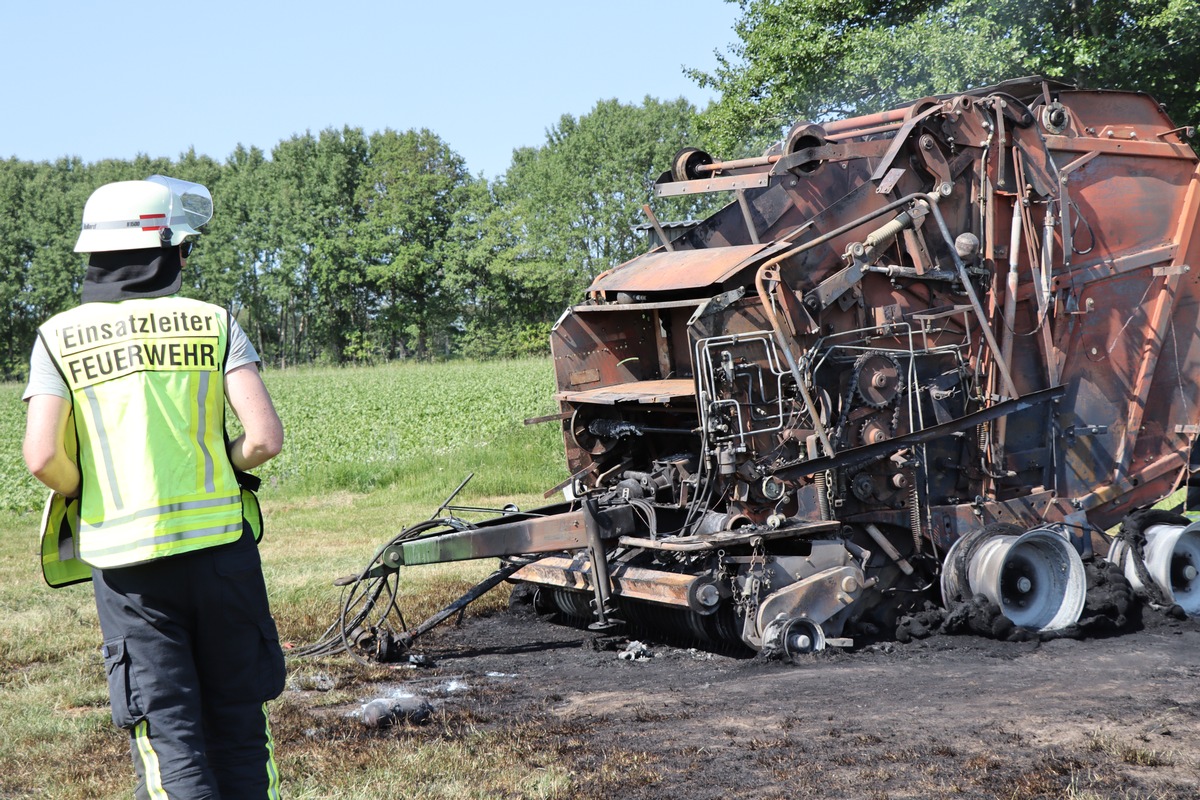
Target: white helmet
point(135, 215)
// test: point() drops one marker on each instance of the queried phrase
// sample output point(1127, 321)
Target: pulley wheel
point(803, 136)
point(800, 636)
point(684, 165)
point(584, 439)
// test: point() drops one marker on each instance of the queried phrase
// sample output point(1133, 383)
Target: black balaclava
point(127, 274)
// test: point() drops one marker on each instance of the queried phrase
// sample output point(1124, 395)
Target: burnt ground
point(944, 716)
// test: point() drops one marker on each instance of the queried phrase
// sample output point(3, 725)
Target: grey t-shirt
point(44, 378)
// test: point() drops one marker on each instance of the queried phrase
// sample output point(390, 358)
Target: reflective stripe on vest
point(148, 391)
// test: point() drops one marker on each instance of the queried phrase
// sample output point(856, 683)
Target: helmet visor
point(191, 201)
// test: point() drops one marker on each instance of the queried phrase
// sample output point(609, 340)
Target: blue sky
point(111, 80)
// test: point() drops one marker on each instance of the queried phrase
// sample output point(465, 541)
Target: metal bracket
point(835, 286)
point(890, 180)
point(1173, 269)
point(1071, 431)
point(717, 303)
point(706, 185)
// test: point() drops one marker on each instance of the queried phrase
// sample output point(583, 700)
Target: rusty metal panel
point(659, 391)
point(683, 269)
point(604, 349)
point(608, 308)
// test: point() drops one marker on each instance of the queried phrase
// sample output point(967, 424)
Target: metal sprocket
point(877, 379)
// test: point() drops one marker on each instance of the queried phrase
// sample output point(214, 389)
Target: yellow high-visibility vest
point(147, 386)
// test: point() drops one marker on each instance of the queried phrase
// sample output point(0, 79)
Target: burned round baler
point(932, 352)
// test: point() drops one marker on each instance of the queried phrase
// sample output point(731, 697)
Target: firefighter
point(126, 404)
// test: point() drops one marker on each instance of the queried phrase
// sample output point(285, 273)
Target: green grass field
point(368, 451)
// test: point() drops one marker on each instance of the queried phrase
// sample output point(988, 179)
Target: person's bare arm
point(248, 397)
point(45, 444)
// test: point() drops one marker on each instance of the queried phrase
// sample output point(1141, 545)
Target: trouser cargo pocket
point(123, 694)
point(272, 671)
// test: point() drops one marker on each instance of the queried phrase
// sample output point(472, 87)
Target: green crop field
point(363, 428)
point(367, 452)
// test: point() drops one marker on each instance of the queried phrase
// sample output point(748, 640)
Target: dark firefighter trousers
point(192, 656)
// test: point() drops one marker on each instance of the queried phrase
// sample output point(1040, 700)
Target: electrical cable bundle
point(362, 594)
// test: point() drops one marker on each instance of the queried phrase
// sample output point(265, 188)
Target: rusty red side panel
point(683, 270)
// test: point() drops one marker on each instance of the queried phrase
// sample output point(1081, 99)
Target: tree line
point(346, 246)
point(820, 59)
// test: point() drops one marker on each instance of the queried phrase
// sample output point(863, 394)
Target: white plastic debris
point(384, 712)
point(635, 651)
